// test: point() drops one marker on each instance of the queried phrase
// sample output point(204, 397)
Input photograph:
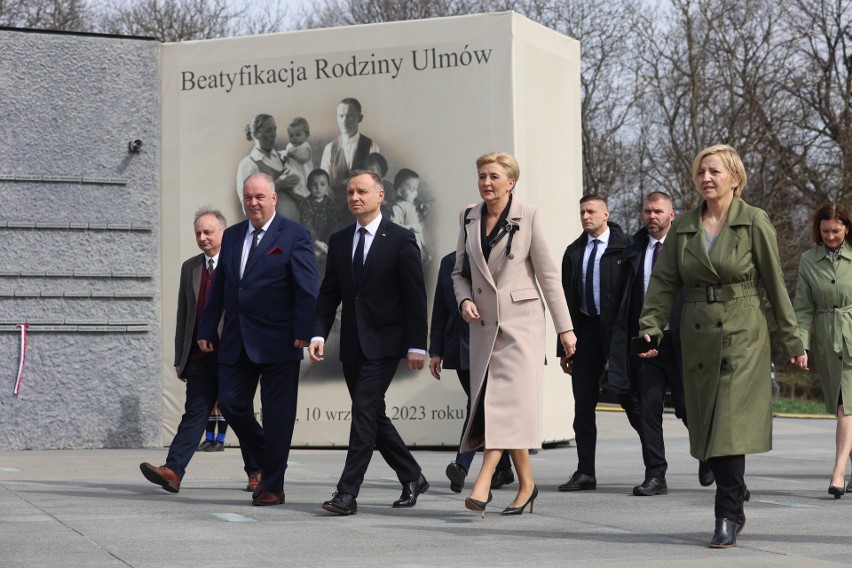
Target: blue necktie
point(590, 280)
point(358, 258)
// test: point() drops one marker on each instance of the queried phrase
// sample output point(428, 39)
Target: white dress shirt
point(247, 243)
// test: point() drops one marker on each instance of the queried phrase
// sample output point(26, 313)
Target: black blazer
point(449, 335)
point(622, 365)
point(610, 273)
point(386, 316)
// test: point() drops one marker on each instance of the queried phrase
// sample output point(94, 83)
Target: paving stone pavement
point(93, 508)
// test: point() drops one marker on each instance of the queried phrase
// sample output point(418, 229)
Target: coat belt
point(842, 327)
point(721, 292)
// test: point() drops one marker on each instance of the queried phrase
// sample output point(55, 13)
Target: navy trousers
point(268, 445)
point(202, 389)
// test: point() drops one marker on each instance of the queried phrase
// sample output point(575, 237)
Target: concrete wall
point(79, 241)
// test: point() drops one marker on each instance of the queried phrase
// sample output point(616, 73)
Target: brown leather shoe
point(253, 481)
point(268, 498)
point(161, 476)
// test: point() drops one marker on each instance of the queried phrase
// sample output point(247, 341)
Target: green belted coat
point(724, 331)
point(824, 309)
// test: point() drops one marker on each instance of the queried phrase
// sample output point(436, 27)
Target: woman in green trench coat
point(720, 252)
point(824, 310)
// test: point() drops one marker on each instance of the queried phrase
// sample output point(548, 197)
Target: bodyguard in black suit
point(374, 270)
point(649, 377)
point(197, 369)
point(591, 268)
point(266, 286)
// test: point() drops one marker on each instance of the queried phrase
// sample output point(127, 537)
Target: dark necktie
point(255, 235)
point(590, 280)
point(656, 253)
point(358, 258)
point(210, 268)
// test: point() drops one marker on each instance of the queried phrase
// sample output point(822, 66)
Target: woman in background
point(824, 310)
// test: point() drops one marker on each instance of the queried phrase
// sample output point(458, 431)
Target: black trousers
point(654, 375)
point(368, 381)
point(730, 485)
point(587, 367)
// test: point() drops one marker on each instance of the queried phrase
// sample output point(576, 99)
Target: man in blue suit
point(374, 270)
point(267, 287)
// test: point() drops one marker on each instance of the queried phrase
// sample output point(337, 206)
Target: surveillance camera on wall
point(134, 146)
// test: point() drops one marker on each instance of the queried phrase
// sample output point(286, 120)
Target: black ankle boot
point(725, 534)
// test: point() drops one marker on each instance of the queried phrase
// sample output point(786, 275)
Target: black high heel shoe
point(477, 505)
point(520, 510)
point(836, 491)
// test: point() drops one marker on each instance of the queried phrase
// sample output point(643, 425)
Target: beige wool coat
point(508, 342)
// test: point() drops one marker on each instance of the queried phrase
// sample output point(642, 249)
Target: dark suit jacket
point(610, 272)
point(190, 283)
point(386, 316)
point(449, 335)
point(273, 304)
point(622, 365)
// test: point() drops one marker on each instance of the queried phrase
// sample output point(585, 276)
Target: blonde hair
point(504, 159)
point(732, 162)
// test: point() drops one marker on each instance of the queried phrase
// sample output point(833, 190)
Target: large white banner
point(425, 98)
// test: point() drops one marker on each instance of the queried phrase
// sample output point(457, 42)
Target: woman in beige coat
point(824, 310)
point(502, 241)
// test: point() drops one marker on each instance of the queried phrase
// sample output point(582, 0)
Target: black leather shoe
point(502, 477)
point(456, 474)
point(705, 474)
point(341, 504)
point(838, 492)
point(579, 482)
point(651, 486)
point(410, 491)
point(725, 534)
point(204, 445)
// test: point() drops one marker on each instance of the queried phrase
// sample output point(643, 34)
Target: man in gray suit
point(199, 370)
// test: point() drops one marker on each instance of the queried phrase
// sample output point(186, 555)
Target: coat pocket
point(524, 294)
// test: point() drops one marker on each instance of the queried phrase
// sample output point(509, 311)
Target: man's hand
point(177, 372)
point(415, 361)
point(205, 346)
point(435, 366)
point(566, 364)
point(315, 350)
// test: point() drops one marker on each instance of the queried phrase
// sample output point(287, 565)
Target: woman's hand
point(469, 313)
point(569, 342)
point(801, 361)
point(651, 352)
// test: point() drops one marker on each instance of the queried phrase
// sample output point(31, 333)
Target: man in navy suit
point(374, 270)
point(197, 369)
point(267, 287)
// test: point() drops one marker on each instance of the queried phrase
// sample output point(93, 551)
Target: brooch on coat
point(509, 227)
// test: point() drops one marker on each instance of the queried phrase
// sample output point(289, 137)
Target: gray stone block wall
point(79, 241)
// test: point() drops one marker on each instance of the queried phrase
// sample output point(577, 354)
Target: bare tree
point(67, 15)
point(172, 20)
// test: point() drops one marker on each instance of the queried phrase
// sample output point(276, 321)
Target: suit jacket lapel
point(196, 278)
point(266, 244)
point(377, 247)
